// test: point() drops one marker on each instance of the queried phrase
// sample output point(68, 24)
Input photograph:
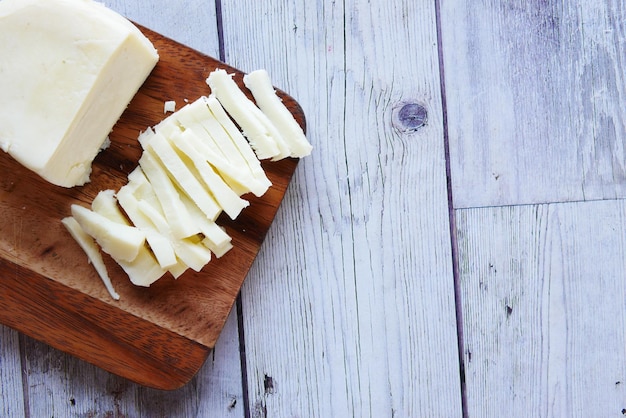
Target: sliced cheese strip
point(169, 198)
point(218, 250)
point(259, 83)
point(181, 174)
point(235, 149)
point(150, 207)
point(142, 188)
point(178, 269)
point(193, 252)
point(238, 139)
point(158, 243)
point(187, 120)
point(243, 111)
point(196, 116)
point(184, 248)
point(217, 238)
point(144, 269)
point(120, 241)
point(90, 248)
point(69, 69)
point(226, 197)
point(167, 126)
point(241, 181)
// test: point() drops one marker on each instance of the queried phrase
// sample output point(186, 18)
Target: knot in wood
point(409, 116)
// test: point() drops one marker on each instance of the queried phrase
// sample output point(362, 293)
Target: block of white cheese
point(68, 70)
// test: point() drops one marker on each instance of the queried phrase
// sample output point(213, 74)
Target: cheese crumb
point(170, 106)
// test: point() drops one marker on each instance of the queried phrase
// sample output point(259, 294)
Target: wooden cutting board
point(158, 336)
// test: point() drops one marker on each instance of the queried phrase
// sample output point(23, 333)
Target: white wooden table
point(456, 244)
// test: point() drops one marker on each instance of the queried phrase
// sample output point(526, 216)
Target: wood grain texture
point(61, 385)
point(349, 310)
point(11, 392)
point(137, 349)
point(543, 297)
point(190, 22)
point(535, 98)
point(50, 291)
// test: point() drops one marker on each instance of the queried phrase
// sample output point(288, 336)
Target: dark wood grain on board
point(157, 336)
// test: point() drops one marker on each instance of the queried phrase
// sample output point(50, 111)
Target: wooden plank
point(217, 390)
point(535, 98)
point(192, 22)
point(11, 392)
point(543, 291)
point(349, 310)
point(61, 385)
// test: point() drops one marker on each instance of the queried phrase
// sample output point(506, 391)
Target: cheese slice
point(216, 239)
point(193, 252)
point(169, 197)
point(144, 269)
point(241, 181)
point(239, 140)
point(184, 248)
point(191, 117)
point(259, 83)
point(264, 139)
point(90, 248)
point(120, 241)
point(158, 243)
point(145, 196)
point(69, 69)
point(226, 197)
point(181, 174)
point(197, 115)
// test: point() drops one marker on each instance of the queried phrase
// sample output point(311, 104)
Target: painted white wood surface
point(349, 309)
point(535, 94)
point(59, 385)
point(11, 392)
point(544, 296)
point(190, 22)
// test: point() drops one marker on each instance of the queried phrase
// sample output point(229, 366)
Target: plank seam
point(543, 203)
point(238, 301)
point(451, 219)
point(242, 357)
point(25, 389)
point(220, 30)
